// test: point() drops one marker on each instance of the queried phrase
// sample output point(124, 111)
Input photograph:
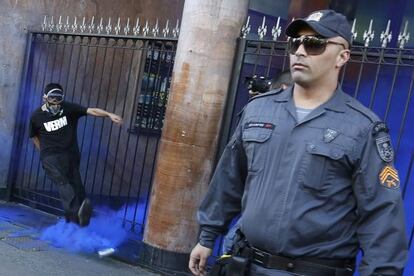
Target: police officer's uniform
point(321, 188)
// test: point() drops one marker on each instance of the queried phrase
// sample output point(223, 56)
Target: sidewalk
point(22, 253)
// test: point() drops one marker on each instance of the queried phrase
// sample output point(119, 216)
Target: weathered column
point(201, 75)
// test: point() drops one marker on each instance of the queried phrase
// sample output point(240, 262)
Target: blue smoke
point(105, 230)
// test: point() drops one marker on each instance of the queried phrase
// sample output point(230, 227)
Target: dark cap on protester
point(53, 89)
point(326, 23)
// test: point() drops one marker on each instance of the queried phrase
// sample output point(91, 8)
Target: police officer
point(311, 171)
point(53, 128)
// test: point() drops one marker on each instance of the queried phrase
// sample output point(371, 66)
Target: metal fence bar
point(391, 91)
point(374, 87)
point(118, 139)
point(404, 117)
point(407, 180)
point(18, 134)
point(111, 125)
point(100, 130)
point(137, 85)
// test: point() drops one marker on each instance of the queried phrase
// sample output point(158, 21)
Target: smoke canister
point(106, 252)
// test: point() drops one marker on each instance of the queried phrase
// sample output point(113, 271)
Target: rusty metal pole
point(201, 75)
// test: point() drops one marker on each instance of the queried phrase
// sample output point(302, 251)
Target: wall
point(17, 17)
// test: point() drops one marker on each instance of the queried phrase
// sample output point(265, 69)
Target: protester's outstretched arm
point(103, 113)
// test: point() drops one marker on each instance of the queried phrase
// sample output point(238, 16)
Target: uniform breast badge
point(329, 135)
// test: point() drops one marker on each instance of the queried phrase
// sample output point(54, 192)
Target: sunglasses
point(313, 45)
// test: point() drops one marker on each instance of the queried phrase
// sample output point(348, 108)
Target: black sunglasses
point(313, 45)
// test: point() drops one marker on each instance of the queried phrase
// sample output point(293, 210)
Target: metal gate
point(125, 74)
point(381, 78)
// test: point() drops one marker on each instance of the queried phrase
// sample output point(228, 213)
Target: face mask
point(54, 108)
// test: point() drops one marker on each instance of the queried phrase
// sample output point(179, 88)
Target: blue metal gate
point(126, 74)
point(381, 78)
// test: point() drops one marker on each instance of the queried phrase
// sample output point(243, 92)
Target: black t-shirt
point(57, 133)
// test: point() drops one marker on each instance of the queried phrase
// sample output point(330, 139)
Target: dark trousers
point(63, 169)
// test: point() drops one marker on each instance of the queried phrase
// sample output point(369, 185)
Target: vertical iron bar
point(407, 180)
point(149, 188)
point(51, 41)
point(89, 95)
point(32, 96)
point(257, 55)
point(70, 61)
point(138, 83)
point(391, 93)
point(141, 176)
point(269, 63)
point(118, 138)
point(411, 238)
point(21, 117)
point(103, 123)
point(361, 68)
point(42, 85)
point(154, 89)
point(404, 117)
point(94, 119)
point(111, 125)
point(374, 87)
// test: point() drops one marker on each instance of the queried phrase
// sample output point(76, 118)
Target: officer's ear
point(343, 58)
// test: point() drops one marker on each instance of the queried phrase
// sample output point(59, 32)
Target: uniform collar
point(336, 103)
point(284, 95)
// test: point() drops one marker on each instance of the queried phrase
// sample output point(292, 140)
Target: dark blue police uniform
point(324, 187)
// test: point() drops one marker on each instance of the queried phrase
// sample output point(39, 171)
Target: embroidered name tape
point(260, 125)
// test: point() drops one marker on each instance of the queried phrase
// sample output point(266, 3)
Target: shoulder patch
point(379, 127)
point(388, 177)
point(384, 148)
point(271, 92)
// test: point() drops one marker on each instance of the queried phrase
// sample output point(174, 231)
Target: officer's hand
point(115, 118)
point(198, 259)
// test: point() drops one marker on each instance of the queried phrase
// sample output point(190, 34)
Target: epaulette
point(366, 112)
point(269, 93)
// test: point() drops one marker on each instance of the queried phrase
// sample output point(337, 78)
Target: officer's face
point(310, 69)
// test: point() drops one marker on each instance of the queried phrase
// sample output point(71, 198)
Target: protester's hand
point(198, 259)
point(115, 118)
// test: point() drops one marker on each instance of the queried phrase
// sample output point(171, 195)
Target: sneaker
point(85, 212)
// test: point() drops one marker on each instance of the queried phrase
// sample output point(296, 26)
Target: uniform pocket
point(320, 161)
point(254, 141)
point(258, 135)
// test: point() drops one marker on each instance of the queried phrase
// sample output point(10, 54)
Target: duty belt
point(306, 266)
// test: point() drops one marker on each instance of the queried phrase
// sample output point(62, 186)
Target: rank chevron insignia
point(389, 177)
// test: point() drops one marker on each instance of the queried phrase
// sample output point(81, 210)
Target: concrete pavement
point(22, 253)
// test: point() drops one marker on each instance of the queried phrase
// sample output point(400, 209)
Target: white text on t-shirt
point(56, 124)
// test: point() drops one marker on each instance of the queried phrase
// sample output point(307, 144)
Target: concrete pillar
point(201, 75)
